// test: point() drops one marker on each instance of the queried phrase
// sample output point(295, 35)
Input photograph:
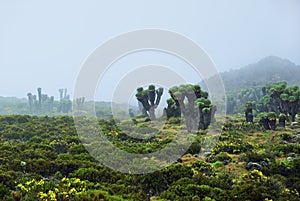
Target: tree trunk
point(264, 122)
point(281, 122)
point(152, 113)
point(272, 123)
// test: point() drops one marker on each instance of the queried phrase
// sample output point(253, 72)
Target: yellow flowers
point(255, 175)
point(77, 180)
point(39, 190)
point(52, 195)
point(65, 194)
point(64, 179)
point(46, 197)
point(72, 191)
point(43, 196)
point(56, 190)
point(40, 183)
point(22, 187)
point(30, 182)
point(291, 192)
point(30, 185)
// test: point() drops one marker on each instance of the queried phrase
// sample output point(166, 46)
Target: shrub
point(202, 167)
point(218, 164)
point(4, 190)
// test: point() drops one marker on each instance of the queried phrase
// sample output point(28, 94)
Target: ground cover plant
point(42, 158)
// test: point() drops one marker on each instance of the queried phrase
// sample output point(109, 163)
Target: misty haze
point(150, 101)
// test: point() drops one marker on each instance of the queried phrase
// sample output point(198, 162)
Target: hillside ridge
point(268, 69)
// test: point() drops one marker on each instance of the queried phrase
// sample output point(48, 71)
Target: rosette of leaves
point(281, 116)
point(197, 90)
point(284, 103)
point(292, 88)
point(272, 120)
point(172, 90)
point(249, 105)
point(204, 94)
point(266, 103)
point(206, 110)
point(266, 99)
point(271, 115)
point(151, 94)
point(284, 97)
point(170, 101)
point(178, 96)
point(206, 102)
point(142, 96)
point(173, 109)
point(263, 120)
point(206, 117)
point(200, 102)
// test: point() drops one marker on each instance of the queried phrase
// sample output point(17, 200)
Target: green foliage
point(218, 164)
point(233, 147)
point(4, 190)
point(253, 156)
point(55, 163)
point(203, 167)
point(282, 115)
point(271, 97)
point(262, 115)
point(271, 115)
point(249, 104)
point(159, 181)
point(149, 100)
point(191, 101)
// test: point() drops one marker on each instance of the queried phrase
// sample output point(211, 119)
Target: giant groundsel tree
point(194, 104)
point(150, 99)
point(280, 98)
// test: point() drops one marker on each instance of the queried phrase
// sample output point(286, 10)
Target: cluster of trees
point(268, 120)
point(237, 100)
point(65, 105)
point(278, 101)
point(280, 98)
point(271, 69)
point(40, 103)
point(271, 97)
point(188, 100)
point(80, 102)
point(194, 105)
point(45, 104)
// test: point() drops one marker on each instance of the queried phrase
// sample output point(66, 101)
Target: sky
point(45, 43)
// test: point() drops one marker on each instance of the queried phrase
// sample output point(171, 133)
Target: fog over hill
point(268, 69)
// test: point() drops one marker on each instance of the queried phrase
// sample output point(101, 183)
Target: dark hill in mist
point(268, 69)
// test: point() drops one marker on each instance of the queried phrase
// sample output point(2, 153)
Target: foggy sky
point(45, 44)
